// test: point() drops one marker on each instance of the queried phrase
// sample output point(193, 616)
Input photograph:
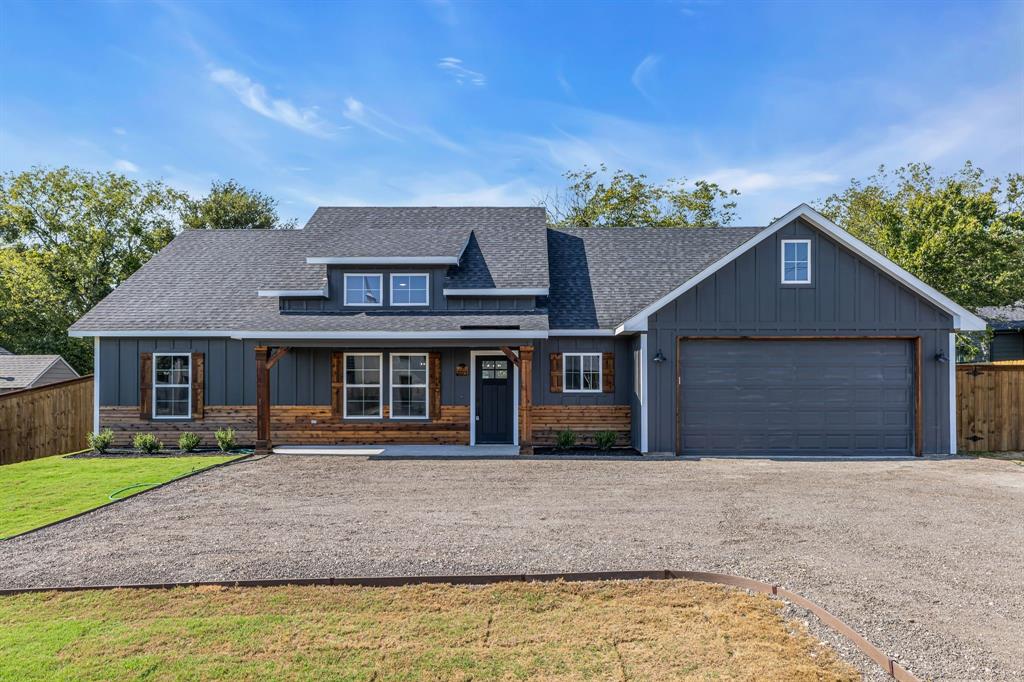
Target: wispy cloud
point(385, 126)
point(460, 73)
point(643, 72)
point(254, 96)
point(119, 131)
point(126, 166)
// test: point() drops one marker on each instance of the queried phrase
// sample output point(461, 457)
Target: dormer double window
point(367, 289)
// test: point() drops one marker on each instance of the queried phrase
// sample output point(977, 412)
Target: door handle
point(478, 417)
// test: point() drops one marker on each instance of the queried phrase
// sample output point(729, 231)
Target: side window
point(582, 373)
point(413, 289)
point(172, 386)
point(363, 290)
point(362, 385)
point(409, 385)
point(796, 261)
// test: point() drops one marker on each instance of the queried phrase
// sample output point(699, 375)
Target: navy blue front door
point(495, 400)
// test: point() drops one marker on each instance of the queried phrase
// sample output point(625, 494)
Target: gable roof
point(962, 318)
point(602, 276)
point(1007, 317)
point(22, 371)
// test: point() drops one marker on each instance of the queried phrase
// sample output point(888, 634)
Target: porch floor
point(400, 451)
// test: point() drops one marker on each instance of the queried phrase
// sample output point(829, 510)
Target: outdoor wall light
point(940, 356)
point(658, 357)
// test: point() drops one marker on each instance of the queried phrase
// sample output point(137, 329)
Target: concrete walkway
point(401, 451)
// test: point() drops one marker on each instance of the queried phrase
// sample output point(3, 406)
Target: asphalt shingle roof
point(19, 371)
point(1004, 317)
point(600, 276)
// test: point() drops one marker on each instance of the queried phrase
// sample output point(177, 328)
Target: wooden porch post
point(526, 400)
point(262, 400)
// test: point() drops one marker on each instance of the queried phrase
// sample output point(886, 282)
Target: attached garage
point(822, 396)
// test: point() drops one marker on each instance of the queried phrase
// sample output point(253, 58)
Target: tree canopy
point(230, 206)
point(631, 200)
point(963, 233)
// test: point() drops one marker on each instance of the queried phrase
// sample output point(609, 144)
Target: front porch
point(400, 451)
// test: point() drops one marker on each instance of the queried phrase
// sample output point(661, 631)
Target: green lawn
point(45, 490)
point(644, 630)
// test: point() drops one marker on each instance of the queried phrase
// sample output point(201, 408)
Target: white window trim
point(344, 293)
point(379, 385)
point(782, 261)
point(391, 386)
point(565, 373)
point(391, 285)
point(187, 387)
point(473, 355)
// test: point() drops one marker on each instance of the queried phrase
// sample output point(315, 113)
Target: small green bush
point(101, 442)
point(226, 439)
point(605, 440)
point(188, 441)
point(566, 439)
point(147, 442)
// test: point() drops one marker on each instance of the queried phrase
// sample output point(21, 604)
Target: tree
point(67, 238)
point(631, 200)
point(230, 206)
point(962, 234)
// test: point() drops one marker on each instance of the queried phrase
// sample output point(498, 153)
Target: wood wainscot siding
point(293, 425)
point(585, 420)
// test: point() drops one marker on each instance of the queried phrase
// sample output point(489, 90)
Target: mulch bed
point(116, 453)
point(588, 452)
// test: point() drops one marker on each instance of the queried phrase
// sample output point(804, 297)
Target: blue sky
point(442, 103)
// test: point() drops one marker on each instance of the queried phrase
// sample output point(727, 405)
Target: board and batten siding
point(302, 377)
point(847, 296)
point(543, 348)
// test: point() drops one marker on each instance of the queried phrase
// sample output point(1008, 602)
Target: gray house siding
point(847, 297)
point(302, 377)
point(1007, 345)
point(543, 348)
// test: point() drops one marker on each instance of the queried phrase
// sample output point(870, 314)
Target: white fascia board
point(962, 318)
point(384, 260)
point(368, 335)
point(277, 293)
point(581, 332)
point(538, 291)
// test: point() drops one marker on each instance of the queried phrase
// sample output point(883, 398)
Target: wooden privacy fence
point(990, 408)
point(49, 420)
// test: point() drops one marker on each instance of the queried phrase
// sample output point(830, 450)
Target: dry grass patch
point(646, 630)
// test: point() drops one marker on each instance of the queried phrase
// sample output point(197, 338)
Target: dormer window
point(796, 261)
point(411, 289)
point(363, 290)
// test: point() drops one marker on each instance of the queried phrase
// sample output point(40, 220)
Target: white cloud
point(358, 113)
point(385, 126)
point(747, 180)
point(643, 72)
point(119, 131)
point(126, 166)
point(460, 73)
point(254, 96)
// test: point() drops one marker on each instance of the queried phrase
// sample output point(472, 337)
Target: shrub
point(101, 442)
point(566, 439)
point(605, 440)
point(188, 441)
point(226, 439)
point(147, 442)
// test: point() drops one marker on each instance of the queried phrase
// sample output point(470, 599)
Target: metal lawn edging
point(894, 669)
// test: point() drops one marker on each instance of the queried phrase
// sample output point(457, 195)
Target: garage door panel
point(798, 396)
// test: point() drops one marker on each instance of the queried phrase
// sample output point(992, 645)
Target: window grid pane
point(362, 289)
point(796, 262)
point(409, 289)
point(362, 385)
point(408, 385)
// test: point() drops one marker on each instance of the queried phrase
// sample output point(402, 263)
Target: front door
point(495, 400)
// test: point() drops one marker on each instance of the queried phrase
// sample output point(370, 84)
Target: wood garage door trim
point(918, 385)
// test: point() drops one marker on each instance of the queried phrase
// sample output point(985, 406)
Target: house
point(18, 372)
point(1007, 324)
point(483, 325)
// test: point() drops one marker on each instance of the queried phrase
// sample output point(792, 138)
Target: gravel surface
point(924, 558)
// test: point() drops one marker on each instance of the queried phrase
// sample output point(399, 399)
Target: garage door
point(833, 397)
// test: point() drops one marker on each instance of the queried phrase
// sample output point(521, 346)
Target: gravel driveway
point(926, 558)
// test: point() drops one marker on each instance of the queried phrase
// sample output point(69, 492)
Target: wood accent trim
point(512, 357)
point(262, 399)
point(526, 400)
point(338, 384)
point(145, 385)
point(434, 379)
point(278, 354)
point(918, 374)
point(555, 372)
point(585, 420)
point(198, 385)
point(608, 372)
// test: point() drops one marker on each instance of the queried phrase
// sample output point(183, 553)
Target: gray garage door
point(836, 397)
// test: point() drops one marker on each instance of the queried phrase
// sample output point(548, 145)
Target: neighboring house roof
point(602, 276)
point(24, 371)
point(1007, 317)
point(4, 351)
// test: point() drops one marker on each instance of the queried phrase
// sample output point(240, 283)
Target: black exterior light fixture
point(940, 356)
point(659, 357)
